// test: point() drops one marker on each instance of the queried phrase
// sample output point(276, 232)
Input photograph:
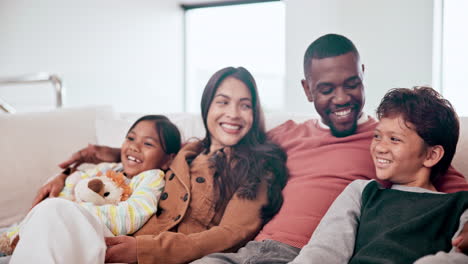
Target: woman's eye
point(222, 102)
point(129, 138)
point(246, 106)
point(148, 144)
point(376, 136)
point(395, 139)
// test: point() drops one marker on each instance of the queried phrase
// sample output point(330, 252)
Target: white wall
point(394, 39)
point(126, 53)
point(130, 53)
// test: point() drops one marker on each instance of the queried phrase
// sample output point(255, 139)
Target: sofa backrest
point(32, 144)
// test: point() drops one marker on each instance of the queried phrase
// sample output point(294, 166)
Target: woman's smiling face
point(230, 115)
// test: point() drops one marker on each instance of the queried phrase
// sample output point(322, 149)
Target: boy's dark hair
point(433, 117)
point(169, 135)
point(330, 45)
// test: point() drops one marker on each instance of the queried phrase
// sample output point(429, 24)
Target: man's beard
point(343, 133)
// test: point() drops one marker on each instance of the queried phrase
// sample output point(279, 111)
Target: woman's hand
point(51, 189)
point(461, 241)
point(121, 249)
point(92, 154)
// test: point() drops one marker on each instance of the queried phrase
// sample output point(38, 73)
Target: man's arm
point(452, 181)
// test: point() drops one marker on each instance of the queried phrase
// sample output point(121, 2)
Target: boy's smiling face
point(399, 152)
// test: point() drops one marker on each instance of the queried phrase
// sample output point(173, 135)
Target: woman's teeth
point(228, 126)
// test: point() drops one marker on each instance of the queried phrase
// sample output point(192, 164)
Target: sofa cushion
point(32, 144)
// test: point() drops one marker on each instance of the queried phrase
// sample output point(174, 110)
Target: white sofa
point(32, 144)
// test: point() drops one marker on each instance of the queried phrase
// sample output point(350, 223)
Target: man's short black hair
point(330, 45)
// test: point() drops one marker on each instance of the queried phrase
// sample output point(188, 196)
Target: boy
point(412, 147)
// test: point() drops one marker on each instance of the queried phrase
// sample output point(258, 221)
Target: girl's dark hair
point(253, 159)
point(433, 117)
point(169, 135)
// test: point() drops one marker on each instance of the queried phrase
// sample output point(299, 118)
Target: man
point(324, 156)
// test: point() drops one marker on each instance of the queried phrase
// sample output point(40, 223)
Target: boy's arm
point(333, 240)
point(454, 256)
point(128, 216)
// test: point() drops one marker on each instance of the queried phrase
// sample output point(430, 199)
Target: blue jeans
point(258, 252)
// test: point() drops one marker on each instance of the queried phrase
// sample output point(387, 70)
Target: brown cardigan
point(186, 226)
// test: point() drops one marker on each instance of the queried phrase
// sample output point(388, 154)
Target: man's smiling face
point(334, 85)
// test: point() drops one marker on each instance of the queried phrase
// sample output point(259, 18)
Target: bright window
point(455, 54)
point(248, 35)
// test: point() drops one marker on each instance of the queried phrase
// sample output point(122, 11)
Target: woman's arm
point(333, 240)
point(91, 154)
point(240, 222)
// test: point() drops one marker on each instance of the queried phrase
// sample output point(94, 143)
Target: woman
point(219, 190)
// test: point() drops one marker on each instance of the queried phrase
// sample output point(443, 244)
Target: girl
point(151, 143)
point(219, 190)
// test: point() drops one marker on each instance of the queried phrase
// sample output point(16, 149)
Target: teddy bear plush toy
point(108, 188)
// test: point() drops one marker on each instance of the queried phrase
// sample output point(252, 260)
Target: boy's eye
point(148, 144)
point(395, 139)
point(130, 138)
point(376, 136)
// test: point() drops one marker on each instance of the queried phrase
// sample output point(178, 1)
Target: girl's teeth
point(133, 159)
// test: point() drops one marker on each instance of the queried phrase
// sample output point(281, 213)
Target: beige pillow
point(32, 144)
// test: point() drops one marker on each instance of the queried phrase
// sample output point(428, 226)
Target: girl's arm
point(333, 240)
point(128, 216)
point(240, 222)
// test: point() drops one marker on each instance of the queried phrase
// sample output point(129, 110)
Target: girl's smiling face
point(142, 150)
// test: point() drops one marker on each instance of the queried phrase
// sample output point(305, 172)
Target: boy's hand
point(461, 241)
point(92, 154)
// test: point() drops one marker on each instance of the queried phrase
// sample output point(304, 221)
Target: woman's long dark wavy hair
point(253, 159)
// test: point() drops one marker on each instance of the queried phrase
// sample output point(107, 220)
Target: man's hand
point(92, 154)
point(51, 189)
point(461, 241)
point(121, 249)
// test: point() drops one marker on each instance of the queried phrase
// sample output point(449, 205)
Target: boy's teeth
point(133, 159)
point(230, 126)
point(343, 112)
